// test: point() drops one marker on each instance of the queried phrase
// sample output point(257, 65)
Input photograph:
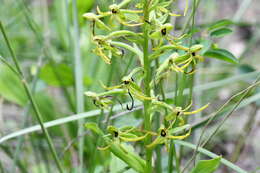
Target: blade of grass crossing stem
point(32, 99)
point(78, 83)
point(94, 113)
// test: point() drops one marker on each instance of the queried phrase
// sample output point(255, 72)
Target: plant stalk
point(32, 100)
point(147, 79)
point(78, 71)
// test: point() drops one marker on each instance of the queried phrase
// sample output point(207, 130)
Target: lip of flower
point(114, 9)
point(166, 134)
point(162, 32)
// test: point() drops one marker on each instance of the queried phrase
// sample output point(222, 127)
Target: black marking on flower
point(163, 133)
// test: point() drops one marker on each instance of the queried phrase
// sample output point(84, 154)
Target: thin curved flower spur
point(129, 85)
point(105, 99)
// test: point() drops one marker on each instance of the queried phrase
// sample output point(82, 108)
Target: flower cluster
point(181, 59)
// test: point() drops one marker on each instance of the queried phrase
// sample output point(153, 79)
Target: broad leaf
point(58, 75)
point(220, 32)
point(245, 68)
point(207, 166)
point(220, 24)
point(11, 86)
point(222, 54)
point(206, 45)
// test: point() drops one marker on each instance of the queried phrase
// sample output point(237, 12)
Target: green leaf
point(58, 75)
point(207, 166)
point(206, 45)
point(220, 32)
point(246, 68)
point(219, 24)
point(222, 54)
point(11, 87)
point(94, 127)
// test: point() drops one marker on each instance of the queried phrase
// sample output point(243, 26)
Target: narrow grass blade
point(78, 83)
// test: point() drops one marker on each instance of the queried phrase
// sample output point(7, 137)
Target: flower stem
point(147, 79)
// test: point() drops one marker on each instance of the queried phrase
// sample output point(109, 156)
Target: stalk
point(26, 117)
point(147, 79)
point(179, 96)
point(158, 149)
point(78, 84)
point(32, 100)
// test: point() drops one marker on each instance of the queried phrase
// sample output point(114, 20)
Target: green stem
point(147, 79)
point(32, 100)
point(158, 149)
point(172, 155)
point(26, 118)
point(79, 84)
point(178, 102)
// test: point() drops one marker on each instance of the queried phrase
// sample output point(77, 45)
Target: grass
point(35, 107)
